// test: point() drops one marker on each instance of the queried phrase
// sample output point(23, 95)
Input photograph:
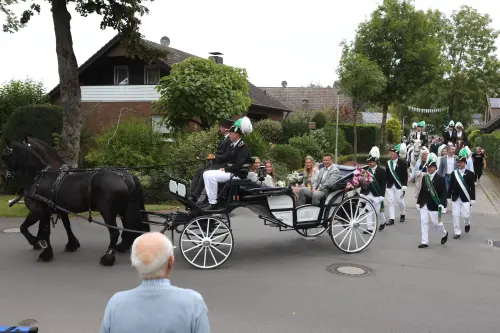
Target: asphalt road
point(276, 282)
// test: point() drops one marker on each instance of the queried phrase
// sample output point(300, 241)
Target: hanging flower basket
point(361, 179)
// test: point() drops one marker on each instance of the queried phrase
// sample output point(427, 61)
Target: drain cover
point(28, 322)
point(349, 270)
point(12, 231)
point(493, 243)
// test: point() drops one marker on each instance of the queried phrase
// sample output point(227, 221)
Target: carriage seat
point(345, 175)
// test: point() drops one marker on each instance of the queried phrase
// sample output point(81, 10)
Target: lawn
point(20, 210)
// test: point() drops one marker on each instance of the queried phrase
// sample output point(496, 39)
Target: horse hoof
point(46, 256)
point(37, 246)
point(72, 246)
point(122, 248)
point(107, 260)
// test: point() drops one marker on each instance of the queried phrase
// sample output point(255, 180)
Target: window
point(158, 125)
point(151, 75)
point(121, 75)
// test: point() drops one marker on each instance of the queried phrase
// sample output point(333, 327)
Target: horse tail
point(134, 215)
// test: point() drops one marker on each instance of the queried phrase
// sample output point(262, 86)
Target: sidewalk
point(488, 194)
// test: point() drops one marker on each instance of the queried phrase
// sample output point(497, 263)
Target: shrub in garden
point(286, 155)
point(472, 136)
point(281, 172)
point(347, 149)
point(368, 135)
point(393, 130)
point(330, 131)
point(491, 144)
point(296, 125)
point(39, 121)
point(270, 130)
point(320, 118)
point(307, 145)
point(258, 146)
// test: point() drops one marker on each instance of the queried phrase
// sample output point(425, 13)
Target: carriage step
point(308, 224)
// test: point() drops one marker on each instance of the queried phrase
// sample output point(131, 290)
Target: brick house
point(113, 84)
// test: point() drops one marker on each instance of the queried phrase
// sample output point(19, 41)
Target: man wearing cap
point(397, 180)
point(221, 158)
point(375, 193)
point(431, 201)
point(419, 134)
point(462, 193)
point(239, 155)
point(461, 136)
point(450, 136)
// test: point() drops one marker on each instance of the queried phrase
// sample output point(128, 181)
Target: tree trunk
point(355, 133)
point(385, 108)
point(68, 82)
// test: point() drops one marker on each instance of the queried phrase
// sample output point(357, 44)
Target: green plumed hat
point(431, 160)
point(463, 154)
point(242, 126)
point(396, 149)
point(421, 124)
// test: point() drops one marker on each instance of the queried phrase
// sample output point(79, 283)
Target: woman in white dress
point(254, 177)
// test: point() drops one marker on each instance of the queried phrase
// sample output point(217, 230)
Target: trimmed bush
point(491, 144)
point(362, 159)
point(296, 125)
point(270, 130)
point(39, 121)
point(257, 145)
point(320, 118)
point(287, 155)
point(473, 135)
point(347, 149)
point(368, 135)
point(307, 145)
point(393, 131)
point(281, 172)
point(330, 131)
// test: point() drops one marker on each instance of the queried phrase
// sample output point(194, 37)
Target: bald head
point(152, 255)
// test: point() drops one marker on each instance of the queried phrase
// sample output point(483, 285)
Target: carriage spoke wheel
point(206, 242)
point(351, 219)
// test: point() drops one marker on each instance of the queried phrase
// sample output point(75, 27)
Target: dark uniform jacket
point(455, 190)
point(238, 156)
point(425, 196)
point(447, 137)
point(223, 151)
point(461, 141)
point(423, 137)
point(401, 170)
point(381, 178)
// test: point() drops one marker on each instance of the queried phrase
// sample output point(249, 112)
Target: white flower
point(281, 183)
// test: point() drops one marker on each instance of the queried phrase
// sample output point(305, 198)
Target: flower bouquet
point(361, 178)
point(294, 178)
point(281, 183)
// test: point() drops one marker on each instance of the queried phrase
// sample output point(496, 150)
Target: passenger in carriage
point(270, 172)
point(327, 176)
point(375, 193)
point(310, 175)
point(239, 155)
point(221, 158)
point(254, 176)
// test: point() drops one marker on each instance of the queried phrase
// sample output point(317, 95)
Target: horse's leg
point(109, 258)
point(73, 243)
point(30, 220)
point(47, 254)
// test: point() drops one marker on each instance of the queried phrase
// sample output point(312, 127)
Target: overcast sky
point(274, 40)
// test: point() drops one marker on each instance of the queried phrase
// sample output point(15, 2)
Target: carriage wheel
point(206, 242)
point(350, 221)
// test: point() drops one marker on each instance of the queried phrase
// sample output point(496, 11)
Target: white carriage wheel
point(206, 242)
point(348, 223)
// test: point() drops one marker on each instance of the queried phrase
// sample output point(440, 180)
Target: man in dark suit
point(397, 180)
point(238, 156)
point(376, 191)
point(221, 158)
point(431, 201)
point(450, 136)
point(419, 134)
point(462, 192)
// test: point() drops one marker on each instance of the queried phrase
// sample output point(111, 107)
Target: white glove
point(381, 199)
point(403, 188)
point(418, 207)
point(472, 202)
point(441, 206)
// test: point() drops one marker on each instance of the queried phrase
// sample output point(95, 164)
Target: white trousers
point(424, 223)
point(460, 208)
point(212, 178)
point(376, 202)
point(393, 195)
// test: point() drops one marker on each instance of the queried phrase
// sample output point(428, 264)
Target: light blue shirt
point(156, 306)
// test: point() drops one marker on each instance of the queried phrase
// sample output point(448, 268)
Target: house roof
point(295, 98)
point(259, 98)
point(491, 125)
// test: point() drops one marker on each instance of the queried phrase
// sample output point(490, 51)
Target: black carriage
point(206, 237)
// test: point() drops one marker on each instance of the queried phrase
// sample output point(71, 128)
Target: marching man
point(431, 201)
point(375, 193)
point(462, 193)
point(397, 180)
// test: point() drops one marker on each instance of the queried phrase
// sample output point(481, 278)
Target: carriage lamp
point(30, 329)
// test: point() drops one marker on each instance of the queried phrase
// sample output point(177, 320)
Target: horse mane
point(28, 157)
point(44, 148)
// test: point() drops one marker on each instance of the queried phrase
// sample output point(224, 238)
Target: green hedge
point(491, 144)
point(362, 159)
point(368, 135)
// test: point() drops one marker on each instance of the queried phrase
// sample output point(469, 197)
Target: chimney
point(216, 56)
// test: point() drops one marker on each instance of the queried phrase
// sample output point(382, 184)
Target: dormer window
point(121, 75)
point(151, 75)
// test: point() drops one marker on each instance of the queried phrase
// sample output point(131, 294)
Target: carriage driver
point(397, 180)
point(375, 193)
point(238, 156)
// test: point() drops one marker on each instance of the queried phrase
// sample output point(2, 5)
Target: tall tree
point(361, 79)
point(121, 15)
point(402, 41)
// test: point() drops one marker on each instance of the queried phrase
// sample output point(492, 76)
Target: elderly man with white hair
point(155, 305)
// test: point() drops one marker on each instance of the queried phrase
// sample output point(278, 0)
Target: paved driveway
point(277, 282)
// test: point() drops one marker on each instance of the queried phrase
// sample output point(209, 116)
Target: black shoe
point(193, 198)
point(381, 227)
point(391, 222)
point(467, 228)
point(402, 218)
point(445, 238)
point(422, 246)
point(367, 232)
point(456, 237)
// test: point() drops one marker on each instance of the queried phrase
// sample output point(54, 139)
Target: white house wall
point(119, 93)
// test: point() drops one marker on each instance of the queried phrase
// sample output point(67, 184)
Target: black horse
point(50, 155)
point(104, 191)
